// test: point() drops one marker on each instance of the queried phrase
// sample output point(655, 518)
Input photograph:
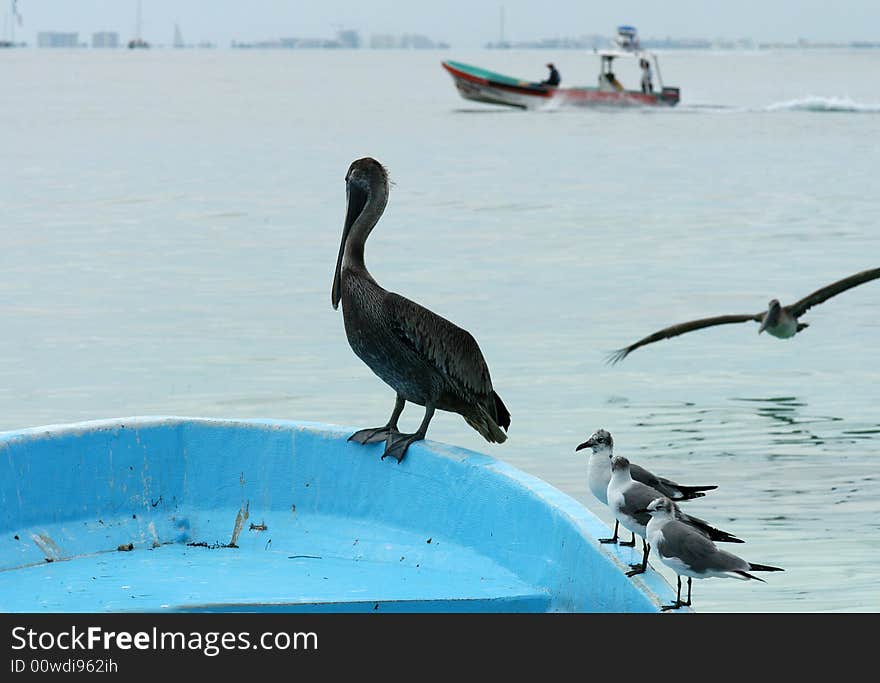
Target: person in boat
point(647, 83)
point(612, 81)
point(554, 78)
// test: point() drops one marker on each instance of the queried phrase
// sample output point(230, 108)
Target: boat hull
point(264, 515)
point(480, 85)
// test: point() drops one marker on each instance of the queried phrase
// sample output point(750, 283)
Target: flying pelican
point(778, 320)
point(691, 554)
point(426, 359)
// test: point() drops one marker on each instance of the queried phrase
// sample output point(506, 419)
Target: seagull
point(628, 500)
point(426, 359)
point(691, 554)
point(778, 320)
point(599, 474)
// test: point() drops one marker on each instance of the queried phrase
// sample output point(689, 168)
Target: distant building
point(105, 39)
point(383, 41)
point(350, 39)
point(410, 41)
point(57, 39)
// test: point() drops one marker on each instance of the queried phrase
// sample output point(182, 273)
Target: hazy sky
point(462, 23)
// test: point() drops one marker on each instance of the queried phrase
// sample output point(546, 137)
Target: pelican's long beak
point(586, 444)
point(764, 322)
point(357, 199)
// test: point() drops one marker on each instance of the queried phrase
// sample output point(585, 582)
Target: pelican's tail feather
point(488, 425)
point(502, 416)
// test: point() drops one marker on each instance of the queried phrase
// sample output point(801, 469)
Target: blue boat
point(174, 514)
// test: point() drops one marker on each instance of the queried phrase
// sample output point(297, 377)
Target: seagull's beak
point(643, 511)
point(586, 444)
point(357, 199)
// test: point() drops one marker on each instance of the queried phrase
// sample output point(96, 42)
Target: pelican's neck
point(353, 256)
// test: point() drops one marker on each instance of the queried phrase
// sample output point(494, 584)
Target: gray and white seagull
point(601, 444)
point(628, 500)
point(778, 320)
point(691, 554)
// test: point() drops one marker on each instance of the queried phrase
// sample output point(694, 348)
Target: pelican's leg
point(613, 539)
point(640, 568)
point(376, 434)
point(397, 444)
point(688, 603)
point(678, 603)
point(631, 543)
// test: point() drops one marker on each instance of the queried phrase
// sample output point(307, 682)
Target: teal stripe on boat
point(488, 75)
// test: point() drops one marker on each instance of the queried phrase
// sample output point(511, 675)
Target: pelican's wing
point(449, 349)
point(675, 330)
point(798, 308)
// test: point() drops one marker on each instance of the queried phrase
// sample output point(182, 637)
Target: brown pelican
point(778, 320)
point(691, 554)
point(426, 359)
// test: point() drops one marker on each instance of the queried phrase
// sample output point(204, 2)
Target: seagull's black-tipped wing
point(798, 308)
point(675, 330)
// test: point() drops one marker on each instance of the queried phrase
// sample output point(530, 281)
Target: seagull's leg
point(640, 568)
point(678, 603)
point(631, 543)
point(613, 539)
point(375, 434)
point(397, 443)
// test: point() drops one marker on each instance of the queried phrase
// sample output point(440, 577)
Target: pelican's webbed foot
point(397, 444)
point(383, 433)
point(373, 435)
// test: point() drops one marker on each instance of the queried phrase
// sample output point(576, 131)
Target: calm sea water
point(171, 221)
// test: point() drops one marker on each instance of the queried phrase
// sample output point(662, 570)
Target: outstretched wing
point(449, 349)
point(798, 308)
point(682, 328)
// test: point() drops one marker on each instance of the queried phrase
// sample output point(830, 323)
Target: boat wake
point(810, 103)
point(815, 103)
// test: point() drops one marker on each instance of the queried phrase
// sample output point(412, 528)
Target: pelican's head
point(619, 464)
point(366, 187)
point(600, 442)
point(771, 317)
